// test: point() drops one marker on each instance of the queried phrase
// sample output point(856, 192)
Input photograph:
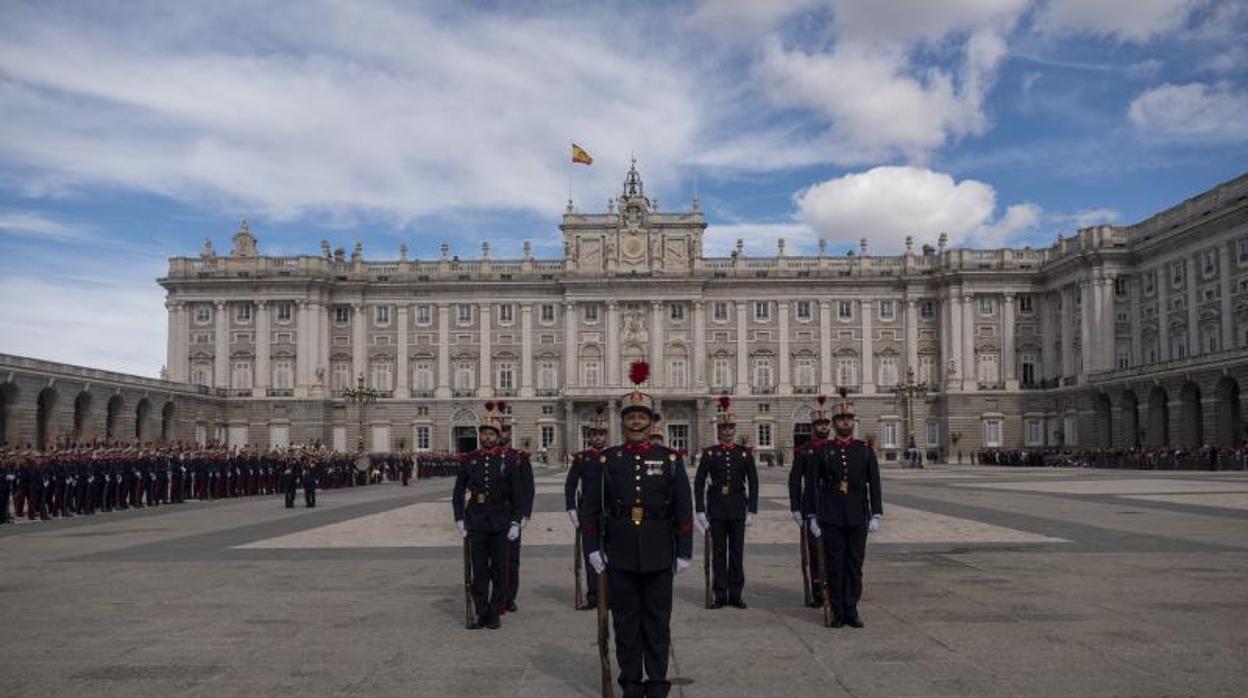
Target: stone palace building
point(1119, 335)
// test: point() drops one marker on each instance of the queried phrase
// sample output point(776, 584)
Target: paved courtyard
point(984, 582)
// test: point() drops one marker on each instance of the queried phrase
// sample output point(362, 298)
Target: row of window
point(720, 311)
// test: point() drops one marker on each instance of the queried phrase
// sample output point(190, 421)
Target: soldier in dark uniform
point(515, 458)
point(843, 504)
point(728, 508)
point(290, 480)
point(7, 479)
point(490, 519)
point(640, 498)
point(803, 459)
point(311, 470)
point(579, 474)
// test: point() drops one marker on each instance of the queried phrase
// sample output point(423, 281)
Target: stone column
point(1044, 309)
point(1007, 342)
point(221, 347)
point(868, 347)
point(826, 382)
point(1093, 305)
point(486, 386)
point(526, 350)
point(613, 421)
point(786, 377)
point(570, 440)
point(1162, 284)
point(1193, 307)
point(569, 346)
point(1087, 307)
point(1224, 280)
point(698, 361)
point(1137, 350)
point(171, 341)
point(443, 390)
point(658, 368)
point(359, 350)
point(912, 339)
point(303, 348)
point(178, 360)
point(954, 312)
point(1109, 348)
point(743, 352)
point(613, 379)
point(402, 383)
point(969, 380)
point(1065, 328)
point(320, 359)
point(262, 349)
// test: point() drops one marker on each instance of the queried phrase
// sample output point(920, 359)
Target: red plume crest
point(501, 405)
point(489, 406)
point(724, 402)
point(657, 417)
point(638, 372)
point(600, 408)
point(843, 391)
point(821, 399)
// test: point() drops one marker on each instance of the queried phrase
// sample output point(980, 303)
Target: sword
point(579, 602)
point(821, 557)
point(468, 614)
point(806, 595)
point(706, 566)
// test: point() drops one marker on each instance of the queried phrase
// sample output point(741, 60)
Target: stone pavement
point(984, 582)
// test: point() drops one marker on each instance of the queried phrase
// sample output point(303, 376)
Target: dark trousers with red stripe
point(512, 581)
point(641, 613)
point(488, 552)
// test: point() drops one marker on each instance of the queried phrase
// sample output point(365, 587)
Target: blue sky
point(131, 131)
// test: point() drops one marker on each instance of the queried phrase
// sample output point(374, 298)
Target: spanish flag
point(579, 155)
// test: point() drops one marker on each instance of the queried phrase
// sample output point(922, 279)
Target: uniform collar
point(843, 442)
point(817, 441)
point(637, 448)
point(727, 447)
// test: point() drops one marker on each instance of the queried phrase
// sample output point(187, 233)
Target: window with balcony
point(506, 313)
point(721, 372)
point(803, 310)
point(927, 310)
point(591, 313)
point(844, 310)
point(203, 314)
point(676, 312)
point(762, 311)
point(992, 433)
point(506, 373)
point(886, 310)
point(985, 305)
point(424, 437)
point(762, 435)
point(463, 314)
point(547, 313)
point(424, 315)
point(719, 312)
point(242, 312)
point(285, 311)
point(342, 314)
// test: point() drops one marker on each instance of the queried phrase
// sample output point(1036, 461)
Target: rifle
point(604, 632)
point(706, 566)
point(806, 595)
point(821, 557)
point(468, 612)
point(579, 602)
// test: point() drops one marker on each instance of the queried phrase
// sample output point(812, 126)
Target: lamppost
point(361, 395)
point(907, 391)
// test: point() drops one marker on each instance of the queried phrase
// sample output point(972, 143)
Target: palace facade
point(1117, 336)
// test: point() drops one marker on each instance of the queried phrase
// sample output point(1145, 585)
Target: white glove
point(814, 528)
point(703, 524)
point(524, 522)
point(463, 532)
point(513, 532)
point(576, 522)
point(682, 564)
point(749, 519)
point(598, 561)
point(797, 517)
point(874, 524)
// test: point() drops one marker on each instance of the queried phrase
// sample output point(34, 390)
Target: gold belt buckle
point(638, 513)
point(724, 489)
point(844, 487)
point(480, 498)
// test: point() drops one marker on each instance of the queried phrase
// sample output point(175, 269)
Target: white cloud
point(1125, 20)
point(885, 204)
point(117, 323)
point(878, 98)
point(1192, 112)
point(33, 224)
point(745, 19)
point(351, 107)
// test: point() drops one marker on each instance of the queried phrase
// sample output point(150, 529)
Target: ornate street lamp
point(907, 391)
point(362, 396)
